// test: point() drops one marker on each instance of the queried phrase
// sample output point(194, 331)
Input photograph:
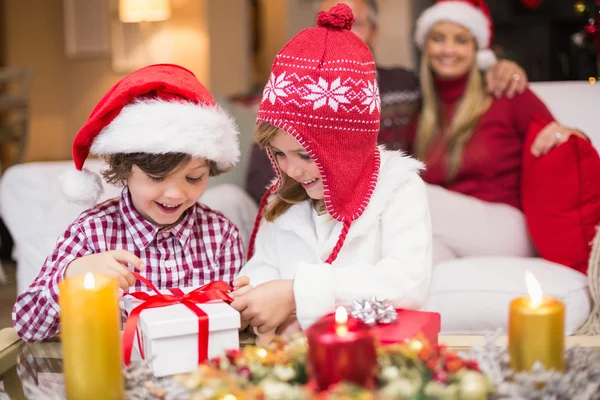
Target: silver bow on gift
point(373, 311)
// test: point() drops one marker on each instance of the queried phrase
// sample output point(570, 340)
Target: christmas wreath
point(411, 370)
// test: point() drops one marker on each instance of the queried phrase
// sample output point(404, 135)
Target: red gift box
point(409, 324)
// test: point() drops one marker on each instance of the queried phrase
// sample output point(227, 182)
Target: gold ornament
point(415, 345)
point(580, 7)
point(473, 386)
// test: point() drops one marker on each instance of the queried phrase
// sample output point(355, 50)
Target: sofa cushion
point(561, 199)
point(473, 294)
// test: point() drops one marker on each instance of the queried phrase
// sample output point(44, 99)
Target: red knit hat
point(157, 109)
point(323, 91)
point(472, 14)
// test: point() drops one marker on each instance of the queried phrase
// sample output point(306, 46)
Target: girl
point(344, 219)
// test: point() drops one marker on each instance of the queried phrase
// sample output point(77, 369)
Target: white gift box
point(170, 334)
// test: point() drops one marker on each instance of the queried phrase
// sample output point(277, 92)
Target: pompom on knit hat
point(157, 109)
point(472, 14)
point(323, 91)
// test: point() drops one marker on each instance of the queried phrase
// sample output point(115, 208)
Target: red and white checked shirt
point(203, 247)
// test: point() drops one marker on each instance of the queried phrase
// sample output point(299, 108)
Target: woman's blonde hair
point(460, 130)
point(290, 191)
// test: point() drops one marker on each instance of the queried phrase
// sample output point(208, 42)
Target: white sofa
point(471, 294)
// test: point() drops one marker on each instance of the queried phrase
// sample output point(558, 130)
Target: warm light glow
point(262, 353)
point(88, 281)
point(534, 289)
point(144, 10)
point(580, 7)
point(415, 345)
point(592, 80)
point(229, 396)
point(341, 315)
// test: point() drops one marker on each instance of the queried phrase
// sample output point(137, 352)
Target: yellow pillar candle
point(536, 329)
point(90, 336)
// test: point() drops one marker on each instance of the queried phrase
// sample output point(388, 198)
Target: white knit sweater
point(387, 252)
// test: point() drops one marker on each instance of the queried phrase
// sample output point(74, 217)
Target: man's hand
point(506, 78)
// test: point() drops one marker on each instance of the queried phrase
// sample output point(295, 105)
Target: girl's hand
point(240, 282)
point(268, 305)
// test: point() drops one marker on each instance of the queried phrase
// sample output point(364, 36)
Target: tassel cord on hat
point(339, 244)
point(261, 207)
point(263, 202)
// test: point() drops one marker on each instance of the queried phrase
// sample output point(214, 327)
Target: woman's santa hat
point(323, 91)
point(472, 14)
point(157, 109)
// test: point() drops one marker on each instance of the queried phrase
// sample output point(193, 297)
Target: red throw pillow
point(561, 198)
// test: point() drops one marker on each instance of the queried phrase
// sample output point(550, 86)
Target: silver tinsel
point(579, 381)
point(140, 384)
point(373, 311)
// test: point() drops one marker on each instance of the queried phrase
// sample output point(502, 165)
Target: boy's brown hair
point(159, 165)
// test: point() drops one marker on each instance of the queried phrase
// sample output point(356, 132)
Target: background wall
point(209, 37)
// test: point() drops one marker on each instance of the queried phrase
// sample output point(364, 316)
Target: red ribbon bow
point(212, 291)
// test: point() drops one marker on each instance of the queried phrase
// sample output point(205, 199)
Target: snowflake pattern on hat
point(344, 96)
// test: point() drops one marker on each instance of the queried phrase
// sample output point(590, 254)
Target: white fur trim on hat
point(459, 12)
point(486, 59)
point(83, 187)
point(158, 127)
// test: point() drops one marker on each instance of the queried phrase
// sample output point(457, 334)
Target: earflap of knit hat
point(472, 14)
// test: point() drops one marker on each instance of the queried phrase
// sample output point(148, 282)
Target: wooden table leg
point(12, 384)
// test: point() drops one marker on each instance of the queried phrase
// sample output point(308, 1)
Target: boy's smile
point(164, 200)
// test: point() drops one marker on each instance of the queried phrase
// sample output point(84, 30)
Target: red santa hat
point(323, 91)
point(157, 109)
point(472, 14)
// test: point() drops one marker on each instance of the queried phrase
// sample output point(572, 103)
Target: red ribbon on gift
point(218, 290)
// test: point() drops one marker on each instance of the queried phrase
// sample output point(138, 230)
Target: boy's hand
point(109, 263)
point(240, 282)
point(240, 305)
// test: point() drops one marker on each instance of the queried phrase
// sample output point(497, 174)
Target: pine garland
point(580, 381)
point(413, 370)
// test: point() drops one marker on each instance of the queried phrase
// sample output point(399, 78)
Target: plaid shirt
point(203, 247)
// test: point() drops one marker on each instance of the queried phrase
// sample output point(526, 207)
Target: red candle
point(341, 349)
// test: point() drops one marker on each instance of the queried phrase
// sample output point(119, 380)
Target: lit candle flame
point(341, 315)
point(534, 289)
point(88, 281)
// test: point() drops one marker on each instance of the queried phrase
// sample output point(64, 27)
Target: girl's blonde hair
point(290, 191)
point(460, 130)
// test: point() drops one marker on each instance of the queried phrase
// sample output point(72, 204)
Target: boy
point(162, 136)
